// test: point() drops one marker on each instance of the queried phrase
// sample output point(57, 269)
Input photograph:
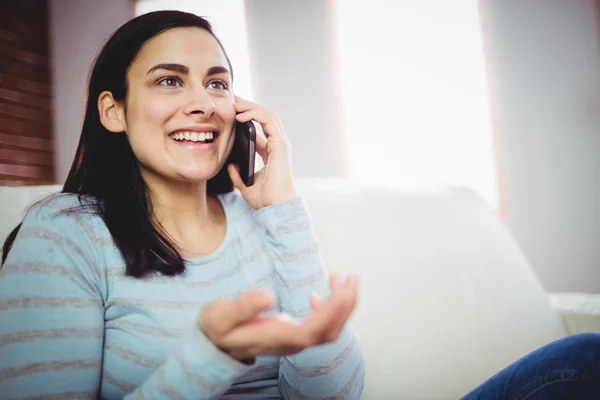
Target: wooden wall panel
point(26, 150)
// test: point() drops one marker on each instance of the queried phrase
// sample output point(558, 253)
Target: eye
point(170, 81)
point(218, 85)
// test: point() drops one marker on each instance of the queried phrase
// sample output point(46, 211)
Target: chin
point(197, 176)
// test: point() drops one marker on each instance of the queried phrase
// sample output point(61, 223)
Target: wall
point(78, 29)
point(26, 153)
point(544, 66)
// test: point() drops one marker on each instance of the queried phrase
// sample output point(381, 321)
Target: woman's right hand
point(237, 328)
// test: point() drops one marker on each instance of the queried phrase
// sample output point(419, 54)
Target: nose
point(200, 104)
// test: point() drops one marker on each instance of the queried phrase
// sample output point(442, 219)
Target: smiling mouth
point(194, 137)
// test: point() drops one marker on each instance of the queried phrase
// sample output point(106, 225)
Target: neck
point(184, 210)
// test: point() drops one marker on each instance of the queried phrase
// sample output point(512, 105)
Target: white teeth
point(194, 136)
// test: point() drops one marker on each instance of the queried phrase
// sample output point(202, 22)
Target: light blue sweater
point(73, 325)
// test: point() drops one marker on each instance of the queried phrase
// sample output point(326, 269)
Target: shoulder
point(60, 236)
point(59, 239)
point(67, 215)
point(59, 208)
point(56, 203)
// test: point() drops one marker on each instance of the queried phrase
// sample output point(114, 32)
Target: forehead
point(194, 47)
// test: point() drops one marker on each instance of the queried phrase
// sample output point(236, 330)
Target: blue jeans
point(568, 368)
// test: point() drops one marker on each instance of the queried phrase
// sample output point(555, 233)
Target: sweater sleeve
point(334, 370)
point(52, 294)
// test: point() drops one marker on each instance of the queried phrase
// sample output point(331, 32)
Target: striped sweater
point(72, 325)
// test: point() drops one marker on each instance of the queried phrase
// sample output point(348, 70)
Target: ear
point(112, 115)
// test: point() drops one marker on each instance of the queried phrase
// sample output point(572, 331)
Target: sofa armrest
point(580, 311)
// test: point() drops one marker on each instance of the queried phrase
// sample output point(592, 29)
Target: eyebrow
point(217, 70)
point(182, 69)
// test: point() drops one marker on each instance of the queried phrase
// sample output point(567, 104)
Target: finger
point(268, 121)
point(280, 125)
point(315, 301)
point(319, 328)
point(259, 176)
point(248, 306)
point(352, 283)
point(266, 335)
point(327, 323)
point(219, 317)
point(332, 329)
point(242, 104)
point(259, 115)
point(335, 281)
point(236, 179)
point(346, 294)
point(261, 148)
point(349, 289)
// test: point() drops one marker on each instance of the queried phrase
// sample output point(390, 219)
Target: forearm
point(336, 369)
point(196, 369)
point(295, 252)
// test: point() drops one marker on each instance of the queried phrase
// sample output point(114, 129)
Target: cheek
point(227, 112)
point(146, 121)
point(156, 111)
point(228, 117)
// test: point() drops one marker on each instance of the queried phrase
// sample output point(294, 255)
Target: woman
point(150, 277)
point(101, 287)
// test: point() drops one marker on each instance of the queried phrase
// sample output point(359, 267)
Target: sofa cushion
point(447, 297)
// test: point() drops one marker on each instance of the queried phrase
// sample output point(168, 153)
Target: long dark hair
point(105, 169)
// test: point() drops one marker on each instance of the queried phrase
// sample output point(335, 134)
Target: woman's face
point(179, 107)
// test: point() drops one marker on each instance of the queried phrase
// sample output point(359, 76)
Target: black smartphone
point(244, 150)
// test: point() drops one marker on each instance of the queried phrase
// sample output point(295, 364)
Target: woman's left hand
point(274, 182)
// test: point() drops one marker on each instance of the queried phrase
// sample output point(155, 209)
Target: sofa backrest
point(14, 201)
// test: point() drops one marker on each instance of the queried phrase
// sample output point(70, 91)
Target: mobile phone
point(245, 150)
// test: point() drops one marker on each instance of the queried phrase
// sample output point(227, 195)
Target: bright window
point(414, 93)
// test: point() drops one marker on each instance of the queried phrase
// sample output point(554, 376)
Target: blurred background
point(501, 96)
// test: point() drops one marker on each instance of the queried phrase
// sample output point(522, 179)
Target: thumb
point(234, 175)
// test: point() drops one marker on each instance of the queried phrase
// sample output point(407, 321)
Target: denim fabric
point(568, 368)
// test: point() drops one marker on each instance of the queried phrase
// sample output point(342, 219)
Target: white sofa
point(447, 297)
